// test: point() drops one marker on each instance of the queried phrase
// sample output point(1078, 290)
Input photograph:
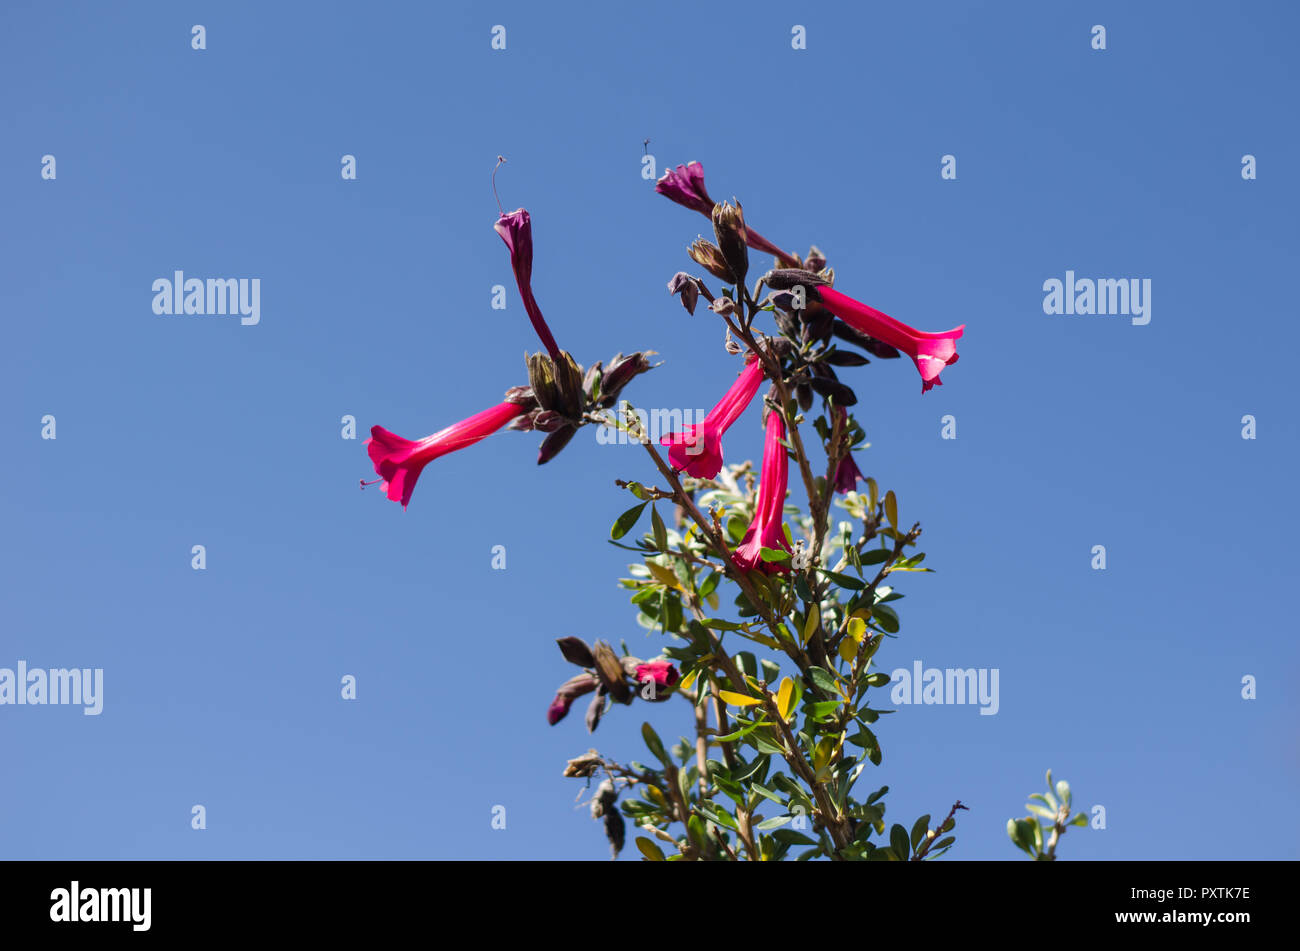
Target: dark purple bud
point(595, 710)
point(690, 288)
point(576, 651)
point(729, 228)
point(553, 443)
point(784, 279)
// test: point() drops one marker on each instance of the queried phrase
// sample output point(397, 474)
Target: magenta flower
point(399, 461)
point(661, 672)
point(698, 449)
point(516, 230)
point(570, 690)
point(847, 473)
point(931, 352)
point(765, 531)
point(685, 185)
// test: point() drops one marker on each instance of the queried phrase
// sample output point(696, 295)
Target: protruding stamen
point(501, 159)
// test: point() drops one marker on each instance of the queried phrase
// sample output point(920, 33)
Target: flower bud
point(729, 227)
point(709, 256)
point(576, 651)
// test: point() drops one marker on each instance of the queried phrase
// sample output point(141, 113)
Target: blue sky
point(222, 685)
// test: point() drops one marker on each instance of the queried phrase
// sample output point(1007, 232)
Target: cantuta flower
point(685, 185)
point(931, 352)
point(766, 531)
point(698, 449)
point(399, 462)
point(516, 230)
point(659, 672)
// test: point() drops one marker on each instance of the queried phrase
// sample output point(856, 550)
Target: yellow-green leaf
point(689, 680)
point(814, 619)
point(891, 509)
point(738, 699)
point(857, 627)
point(848, 649)
point(663, 575)
point(785, 697)
point(651, 851)
point(875, 493)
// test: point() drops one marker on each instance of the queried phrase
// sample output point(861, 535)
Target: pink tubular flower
point(765, 530)
point(931, 352)
point(516, 230)
point(698, 449)
point(685, 185)
point(399, 461)
point(570, 690)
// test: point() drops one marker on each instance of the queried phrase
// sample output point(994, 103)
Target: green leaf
point(790, 837)
point(710, 584)
point(845, 581)
point(660, 531)
point(898, 841)
point(773, 554)
point(654, 744)
point(651, 851)
point(823, 708)
point(766, 793)
point(877, 795)
point(878, 679)
point(720, 625)
point(695, 829)
point(715, 814)
point(737, 734)
point(919, 829)
point(773, 823)
point(823, 679)
point(885, 617)
point(637, 489)
point(1080, 820)
point(762, 739)
point(625, 521)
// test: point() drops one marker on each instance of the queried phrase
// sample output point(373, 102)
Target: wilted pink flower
point(698, 449)
point(685, 185)
point(931, 352)
point(847, 473)
point(399, 461)
point(570, 690)
point(516, 230)
point(765, 531)
point(661, 672)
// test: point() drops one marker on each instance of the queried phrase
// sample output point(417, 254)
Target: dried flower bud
point(580, 767)
point(729, 227)
point(815, 260)
point(724, 306)
point(709, 256)
point(610, 672)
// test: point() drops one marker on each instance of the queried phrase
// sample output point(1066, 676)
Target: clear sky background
point(222, 687)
